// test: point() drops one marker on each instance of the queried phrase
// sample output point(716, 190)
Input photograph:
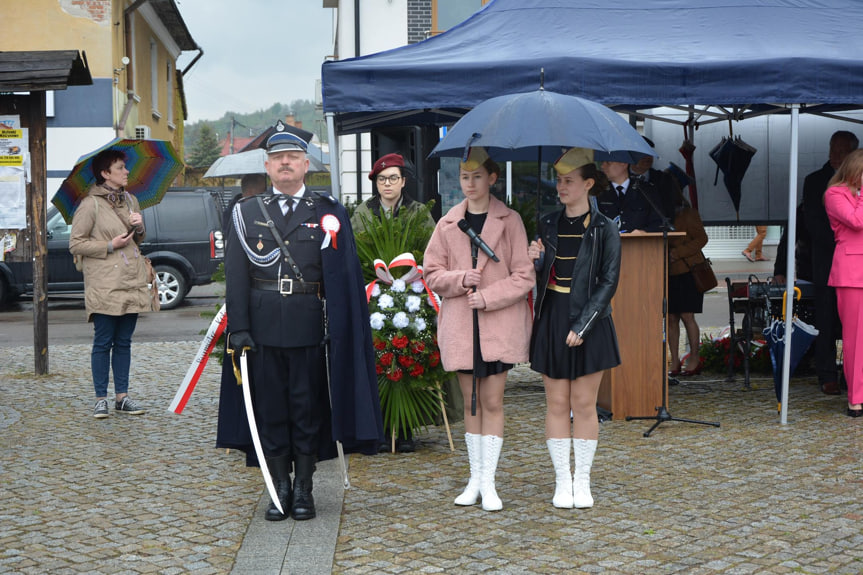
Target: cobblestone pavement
point(749, 497)
point(150, 493)
point(128, 494)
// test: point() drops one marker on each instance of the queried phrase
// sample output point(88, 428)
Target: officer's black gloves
point(241, 339)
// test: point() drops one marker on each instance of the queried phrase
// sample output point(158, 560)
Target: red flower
point(418, 347)
point(380, 344)
point(434, 358)
point(379, 369)
point(395, 375)
point(387, 359)
point(417, 370)
point(406, 361)
point(400, 341)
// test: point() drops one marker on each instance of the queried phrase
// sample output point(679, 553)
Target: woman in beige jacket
point(106, 230)
point(498, 291)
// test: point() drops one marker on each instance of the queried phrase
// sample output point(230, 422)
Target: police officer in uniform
point(282, 248)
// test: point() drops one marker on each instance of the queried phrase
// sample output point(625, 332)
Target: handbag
point(702, 273)
point(153, 286)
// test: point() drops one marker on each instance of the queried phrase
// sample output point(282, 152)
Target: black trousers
point(288, 388)
point(829, 330)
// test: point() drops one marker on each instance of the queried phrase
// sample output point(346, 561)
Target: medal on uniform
point(331, 226)
point(260, 245)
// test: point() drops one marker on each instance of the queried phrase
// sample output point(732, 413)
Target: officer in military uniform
point(289, 252)
point(624, 200)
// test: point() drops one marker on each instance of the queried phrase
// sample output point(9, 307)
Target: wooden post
point(33, 117)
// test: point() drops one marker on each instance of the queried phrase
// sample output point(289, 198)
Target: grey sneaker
point(127, 405)
point(100, 411)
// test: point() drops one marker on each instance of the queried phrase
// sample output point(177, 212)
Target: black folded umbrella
point(733, 157)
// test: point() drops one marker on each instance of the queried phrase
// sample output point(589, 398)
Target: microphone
point(476, 240)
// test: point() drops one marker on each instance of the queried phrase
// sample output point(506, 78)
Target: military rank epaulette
point(325, 196)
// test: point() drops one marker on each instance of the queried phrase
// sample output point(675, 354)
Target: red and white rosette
point(382, 270)
point(331, 226)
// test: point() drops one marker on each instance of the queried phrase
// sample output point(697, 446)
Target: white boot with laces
point(584, 452)
point(559, 450)
point(470, 495)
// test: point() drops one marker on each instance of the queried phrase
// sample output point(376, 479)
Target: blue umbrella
point(542, 125)
point(802, 336)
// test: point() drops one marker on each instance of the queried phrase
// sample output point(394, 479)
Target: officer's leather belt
point(287, 286)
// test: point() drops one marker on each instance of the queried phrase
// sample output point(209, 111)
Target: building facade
point(359, 33)
point(131, 49)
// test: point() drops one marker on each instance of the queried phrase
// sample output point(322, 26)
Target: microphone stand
point(662, 413)
point(474, 253)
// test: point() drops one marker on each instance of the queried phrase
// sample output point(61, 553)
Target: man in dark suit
point(842, 143)
point(291, 270)
point(624, 200)
point(665, 184)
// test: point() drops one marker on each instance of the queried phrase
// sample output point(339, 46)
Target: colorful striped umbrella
point(152, 165)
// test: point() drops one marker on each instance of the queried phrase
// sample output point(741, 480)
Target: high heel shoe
point(673, 372)
point(690, 372)
point(854, 412)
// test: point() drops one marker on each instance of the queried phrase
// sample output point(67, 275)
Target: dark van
point(184, 241)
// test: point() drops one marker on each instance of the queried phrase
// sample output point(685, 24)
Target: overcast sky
point(256, 53)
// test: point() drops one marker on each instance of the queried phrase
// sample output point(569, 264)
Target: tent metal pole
point(789, 270)
point(334, 156)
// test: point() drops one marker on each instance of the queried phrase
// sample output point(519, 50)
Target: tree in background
point(206, 148)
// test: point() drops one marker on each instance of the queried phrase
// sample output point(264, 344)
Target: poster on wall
point(14, 173)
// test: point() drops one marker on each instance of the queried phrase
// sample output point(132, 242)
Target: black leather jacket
point(597, 269)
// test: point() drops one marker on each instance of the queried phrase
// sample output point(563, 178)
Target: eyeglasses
point(394, 179)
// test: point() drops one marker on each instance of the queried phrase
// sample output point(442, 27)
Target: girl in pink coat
point(498, 290)
point(845, 210)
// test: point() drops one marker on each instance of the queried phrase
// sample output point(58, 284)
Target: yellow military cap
point(572, 159)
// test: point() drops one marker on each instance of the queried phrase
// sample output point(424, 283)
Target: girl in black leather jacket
point(578, 264)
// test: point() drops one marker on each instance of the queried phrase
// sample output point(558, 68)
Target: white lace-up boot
point(559, 451)
point(474, 455)
point(584, 451)
point(491, 445)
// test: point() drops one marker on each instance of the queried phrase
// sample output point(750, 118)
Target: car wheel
point(172, 286)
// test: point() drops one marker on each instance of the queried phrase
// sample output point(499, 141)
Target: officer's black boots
point(304, 504)
point(280, 470)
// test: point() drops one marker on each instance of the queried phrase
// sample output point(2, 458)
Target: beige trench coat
point(114, 283)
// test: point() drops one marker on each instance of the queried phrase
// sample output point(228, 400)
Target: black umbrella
point(732, 157)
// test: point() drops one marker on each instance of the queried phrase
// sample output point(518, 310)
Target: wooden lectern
point(635, 387)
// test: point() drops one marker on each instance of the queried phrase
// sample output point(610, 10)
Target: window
point(154, 78)
point(169, 91)
point(448, 13)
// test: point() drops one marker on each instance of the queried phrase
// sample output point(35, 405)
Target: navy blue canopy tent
point(629, 54)
point(725, 59)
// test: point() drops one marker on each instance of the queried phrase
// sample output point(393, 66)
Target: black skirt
point(682, 295)
point(487, 368)
point(549, 354)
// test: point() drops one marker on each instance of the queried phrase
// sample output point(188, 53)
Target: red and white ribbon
point(382, 270)
point(331, 226)
point(193, 374)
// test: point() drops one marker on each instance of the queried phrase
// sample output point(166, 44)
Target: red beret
point(384, 162)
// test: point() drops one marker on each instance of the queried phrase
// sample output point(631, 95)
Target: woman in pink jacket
point(845, 210)
point(498, 290)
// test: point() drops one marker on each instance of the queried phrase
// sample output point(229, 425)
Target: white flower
point(401, 320)
point(413, 303)
point(385, 301)
point(376, 290)
point(399, 285)
point(377, 320)
point(420, 324)
point(417, 286)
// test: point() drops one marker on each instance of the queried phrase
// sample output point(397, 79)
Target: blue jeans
point(112, 347)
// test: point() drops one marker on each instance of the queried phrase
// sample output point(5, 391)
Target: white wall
point(383, 26)
point(66, 145)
